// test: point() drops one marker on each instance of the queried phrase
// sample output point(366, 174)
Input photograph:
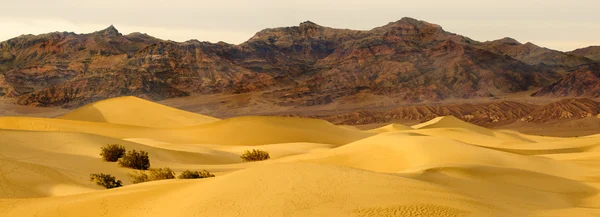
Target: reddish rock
point(304, 65)
point(576, 108)
point(583, 82)
point(591, 52)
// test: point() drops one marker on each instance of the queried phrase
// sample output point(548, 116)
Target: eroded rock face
point(485, 114)
point(37, 68)
point(535, 55)
point(565, 109)
point(583, 82)
point(491, 114)
point(591, 52)
point(304, 65)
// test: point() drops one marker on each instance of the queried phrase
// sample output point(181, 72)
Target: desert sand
point(443, 167)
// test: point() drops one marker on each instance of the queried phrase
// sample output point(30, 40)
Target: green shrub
point(105, 180)
point(136, 160)
point(195, 174)
point(255, 155)
point(112, 152)
point(152, 175)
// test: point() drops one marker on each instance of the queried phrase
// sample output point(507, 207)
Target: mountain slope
point(304, 65)
point(591, 52)
point(30, 63)
point(583, 82)
point(416, 61)
point(534, 55)
point(576, 108)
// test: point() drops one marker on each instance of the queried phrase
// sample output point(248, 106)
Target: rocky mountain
point(491, 114)
point(592, 52)
point(304, 65)
point(418, 61)
point(535, 55)
point(575, 108)
point(582, 82)
point(31, 63)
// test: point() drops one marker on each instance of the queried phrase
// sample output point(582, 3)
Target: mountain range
point(409, 60)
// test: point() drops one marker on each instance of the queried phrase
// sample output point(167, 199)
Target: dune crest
point(451, 122)
point(391, 128)
point(129, 110)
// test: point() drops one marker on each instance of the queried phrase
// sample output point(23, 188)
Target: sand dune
point(275, 150)
point(452, 122)
point(410, 152)
point(391, 128)
point(443, 167)
point(235, 131)
point(277, 190)
point(134, 111)
point(60, 158)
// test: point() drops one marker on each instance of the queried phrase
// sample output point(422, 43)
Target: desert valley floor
point(443, 167)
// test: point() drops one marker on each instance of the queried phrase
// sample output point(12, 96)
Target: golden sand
point(444, 167)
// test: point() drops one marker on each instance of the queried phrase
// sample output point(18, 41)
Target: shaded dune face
point(442, 167)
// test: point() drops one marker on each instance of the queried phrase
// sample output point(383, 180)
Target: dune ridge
point(129, 110)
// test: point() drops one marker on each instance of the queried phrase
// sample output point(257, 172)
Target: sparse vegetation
point(188, 174)
point(255, 155)
point(136, 160)
point(138, 177)
point(112, 152)
point(151, 175)
point(105, 180)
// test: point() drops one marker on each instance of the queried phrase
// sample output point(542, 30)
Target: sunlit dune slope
point(452, 122)
point(271, 130)
point(242, 131)
point(270, 190)
point(409, 152)
point(131, 110)
point(443, 167)
point(275, 150)
point(391, 128)
point(36, 164)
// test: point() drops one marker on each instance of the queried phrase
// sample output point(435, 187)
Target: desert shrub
point(136, 160)
point(255, 155)
point(138, 177)
point(195, 174)
point(161, 173)
point(112, 152)
point(105, 180)
point(151, 175)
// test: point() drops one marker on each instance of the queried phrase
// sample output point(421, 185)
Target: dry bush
point(151, 175)
point(195, 174)
point(105, 180)
point(136, 160)
point(255, 155)
point(138, 177)
point(112, 152)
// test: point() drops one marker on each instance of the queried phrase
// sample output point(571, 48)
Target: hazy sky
point(558, 24)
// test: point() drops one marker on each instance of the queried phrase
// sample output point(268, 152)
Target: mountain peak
point(110, 31)
point(411, 22)
point(408, 20)
point(531, 45)
point(308, 25)
point(508, 40)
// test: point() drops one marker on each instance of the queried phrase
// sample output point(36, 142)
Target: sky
point(556, 24)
